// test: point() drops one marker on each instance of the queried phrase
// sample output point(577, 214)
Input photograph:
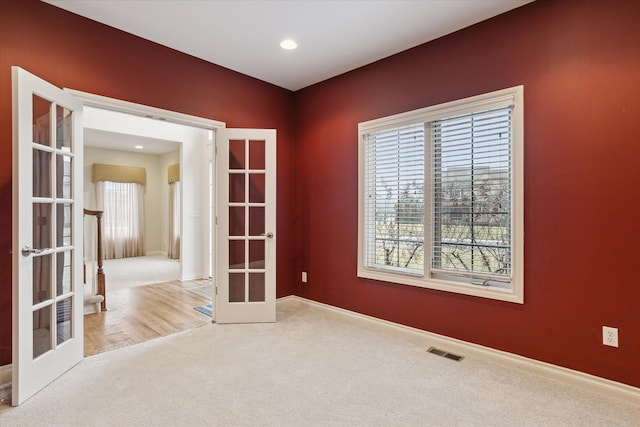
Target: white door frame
point(103, 102)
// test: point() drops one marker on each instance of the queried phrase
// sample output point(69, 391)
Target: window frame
point(511, 96)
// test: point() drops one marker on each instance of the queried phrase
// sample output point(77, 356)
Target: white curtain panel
point(123, 218)
point(174, 220)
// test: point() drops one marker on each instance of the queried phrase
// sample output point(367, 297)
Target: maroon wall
point(579, 63)
point(70, 51)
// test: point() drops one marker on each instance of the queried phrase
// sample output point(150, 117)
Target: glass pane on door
point(64, 224)
point(236, 287)
point(256, 187)
point(236, 254)
point(256, 254)
point(41, 173)
point(256, 154)
point(236, 188)
point(63, 128)
point(64, 272)
point(236, 154)
point(41, 121)
point(42, 331)
point(63, 320)
point(42, 266)
point(42, 217)
point(236, 221)
point(256, 287)
point(256, 221)
point(63, 180)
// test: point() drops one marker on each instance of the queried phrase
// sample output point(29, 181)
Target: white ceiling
point(333, 36)
point(99, 138)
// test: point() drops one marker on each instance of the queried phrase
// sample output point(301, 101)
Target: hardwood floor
point(142, 313)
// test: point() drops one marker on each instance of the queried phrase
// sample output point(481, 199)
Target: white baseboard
point(596, 384)
point(150, 253)
point(196, 276)
point(603, 386)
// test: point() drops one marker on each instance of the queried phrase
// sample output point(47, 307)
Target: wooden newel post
point(101, 279)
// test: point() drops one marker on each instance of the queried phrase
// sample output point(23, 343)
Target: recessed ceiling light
point(288, 44)
point(139, 147)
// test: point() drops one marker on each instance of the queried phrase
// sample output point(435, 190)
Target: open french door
point(47, 234)
point(245, 260)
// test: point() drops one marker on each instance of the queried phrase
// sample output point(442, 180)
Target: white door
point(47, 234)
point(245, 259)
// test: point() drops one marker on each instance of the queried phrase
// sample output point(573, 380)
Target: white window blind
point(394, 199)
point(471, 171)
point(441, 197)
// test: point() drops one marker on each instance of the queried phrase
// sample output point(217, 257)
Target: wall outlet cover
point(610, 336)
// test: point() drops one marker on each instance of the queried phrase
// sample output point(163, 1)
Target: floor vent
point(443, 353)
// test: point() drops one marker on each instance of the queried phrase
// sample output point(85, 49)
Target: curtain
point(174, 220)
point(123, 218)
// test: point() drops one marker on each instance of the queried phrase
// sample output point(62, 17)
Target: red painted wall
point(70, 51)
point(579, 62)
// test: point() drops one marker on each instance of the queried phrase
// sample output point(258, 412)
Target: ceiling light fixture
point(139, 147)
point(288, 44)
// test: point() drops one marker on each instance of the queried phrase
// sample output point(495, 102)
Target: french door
point(47, 234)
point(47, 231)
point(245, 274)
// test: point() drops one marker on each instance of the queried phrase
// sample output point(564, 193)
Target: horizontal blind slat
point(471, 185)
point(394, 230)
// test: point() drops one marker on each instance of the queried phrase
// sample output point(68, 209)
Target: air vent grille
point(446, 354)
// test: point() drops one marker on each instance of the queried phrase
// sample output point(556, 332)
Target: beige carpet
point(125, 273)
point(314, 367)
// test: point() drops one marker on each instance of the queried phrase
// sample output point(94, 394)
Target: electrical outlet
point(610, 336)
point(304, 277)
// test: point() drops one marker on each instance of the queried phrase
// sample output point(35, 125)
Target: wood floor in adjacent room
point(141, 313)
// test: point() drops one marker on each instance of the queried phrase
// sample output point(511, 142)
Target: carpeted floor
point(313, 367)
point(124, 273)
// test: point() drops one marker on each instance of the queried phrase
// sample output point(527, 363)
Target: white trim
point(599, 385)
point(497, 99)
point(201, 276)
point(120, 106)
point(107, 103)
point(583, 380)
point(154, 253)
point(459, 107)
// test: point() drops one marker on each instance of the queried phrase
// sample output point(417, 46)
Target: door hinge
point(216, 290)
point(216, 220)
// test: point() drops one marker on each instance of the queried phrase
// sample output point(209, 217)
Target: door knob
point(268, 235)
point(28, 250)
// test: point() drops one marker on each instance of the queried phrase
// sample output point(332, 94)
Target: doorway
point(155, 293)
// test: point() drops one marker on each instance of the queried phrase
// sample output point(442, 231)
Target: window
point(440, 192)
point(123, 220)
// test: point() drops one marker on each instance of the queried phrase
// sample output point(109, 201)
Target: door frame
point(106, 103)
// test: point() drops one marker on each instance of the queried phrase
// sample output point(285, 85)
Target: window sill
point(514, 295)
